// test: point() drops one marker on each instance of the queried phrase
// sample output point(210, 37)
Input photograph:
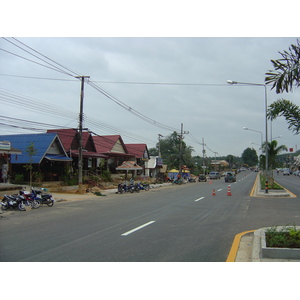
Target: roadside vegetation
point(272, 184)
point(287, 237)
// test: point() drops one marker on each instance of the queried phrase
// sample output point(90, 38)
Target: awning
point(11, 151)
point(57, 157)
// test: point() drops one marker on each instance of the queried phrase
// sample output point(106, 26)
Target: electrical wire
point(130, 109)
point(54, 66)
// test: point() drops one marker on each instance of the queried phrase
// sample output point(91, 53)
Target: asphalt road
point(170, 224)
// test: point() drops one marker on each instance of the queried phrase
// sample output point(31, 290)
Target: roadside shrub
point(287, 237)
point(19, 178)
point(106, 176)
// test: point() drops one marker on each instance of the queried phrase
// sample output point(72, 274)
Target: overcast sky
point(168, 80)
point(145, 80)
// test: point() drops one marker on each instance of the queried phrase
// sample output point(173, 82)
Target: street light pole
point(266, 123)
point(261, 137)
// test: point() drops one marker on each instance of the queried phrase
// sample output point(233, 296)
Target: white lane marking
point(219, 190)
point(199, 199)
point(137, 228)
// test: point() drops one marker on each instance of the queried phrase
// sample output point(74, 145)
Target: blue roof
point(41, 142)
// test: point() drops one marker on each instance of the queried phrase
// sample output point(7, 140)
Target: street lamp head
point(231, 82)
point(245, 128)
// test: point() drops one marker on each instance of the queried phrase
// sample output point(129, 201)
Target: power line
point(130, 109)
point(53, 67)
point(42, 78)
point(46, 57)
point(161, 83)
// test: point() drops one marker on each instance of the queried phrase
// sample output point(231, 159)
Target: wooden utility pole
point(80, 160)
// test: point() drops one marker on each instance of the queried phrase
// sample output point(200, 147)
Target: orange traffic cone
point(213, 192)
point(229, 191)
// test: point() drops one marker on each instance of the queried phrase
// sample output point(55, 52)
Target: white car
point(286, 172)
point(214, 175)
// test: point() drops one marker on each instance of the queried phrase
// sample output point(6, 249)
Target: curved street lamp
point(246, 128)
point(266, 109)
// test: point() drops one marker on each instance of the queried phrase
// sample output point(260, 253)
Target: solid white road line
point(199, 199)
point(137, 228)
point(219, 190)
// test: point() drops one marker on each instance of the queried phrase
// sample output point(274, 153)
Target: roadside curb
point(235, 246)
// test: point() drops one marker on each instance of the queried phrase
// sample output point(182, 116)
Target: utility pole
point(203, 152)
point(159, 152)
point(80, 160)
point(180, 148)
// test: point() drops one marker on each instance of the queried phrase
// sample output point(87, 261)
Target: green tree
point(287, 109)
point(153, 151)
point(287, 70)
point(273, 151)
point(284, 77)
point(170, 151)
point(250, 157)
point(31, 151)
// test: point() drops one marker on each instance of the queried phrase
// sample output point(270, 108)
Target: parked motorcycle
point(42, 197)
point(29, 199)
point(122, 188)
point(14, 201)
point(177, 181)
point(141, 186)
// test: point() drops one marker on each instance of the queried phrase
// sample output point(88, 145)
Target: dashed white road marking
point(199, 199)
point(137, 228)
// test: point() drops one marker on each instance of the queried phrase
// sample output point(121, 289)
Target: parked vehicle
point(229, 177)
point(17, 201)
point(42, 197)
point(202, 177)
point(12, 201)
point(124, 188)
point(145, 186)
point(286, 172)
point(29, 199)
point(177, 181)
point(214, 175)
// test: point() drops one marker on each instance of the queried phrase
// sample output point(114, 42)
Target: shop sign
point(4, 145)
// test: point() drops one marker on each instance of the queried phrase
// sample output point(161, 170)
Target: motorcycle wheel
point(131, 190)
point(137, 190)
point(21, 206)
point(51, 203)
point(147, 188)
point(4, 206)
point(36, 204)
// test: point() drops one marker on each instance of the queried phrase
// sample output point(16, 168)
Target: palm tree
point(273, 151)
point(287, 70)
point(284, 77)
point(287, 109)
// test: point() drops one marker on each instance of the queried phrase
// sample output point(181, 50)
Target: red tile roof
point(137, 150)
point(105, 144)
point(68, 138)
